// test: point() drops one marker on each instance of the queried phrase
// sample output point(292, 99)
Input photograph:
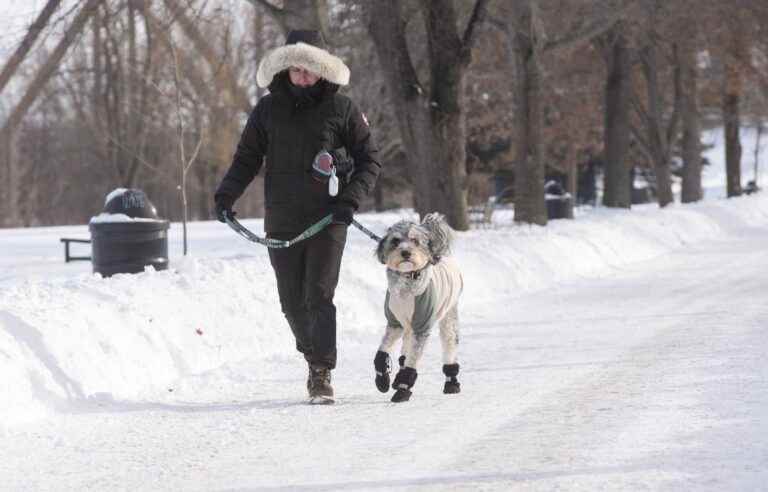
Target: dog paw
point(381, 364)
point(382, 382)
point(401, 395)
point(451, 387)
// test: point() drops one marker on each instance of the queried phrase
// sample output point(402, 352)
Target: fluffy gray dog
point(424, 285)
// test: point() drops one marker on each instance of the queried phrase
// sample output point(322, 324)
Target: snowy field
point(623, 350)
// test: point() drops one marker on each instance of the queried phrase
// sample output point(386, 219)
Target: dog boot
point(383, 367)
point(404, 381)
point(451, 383)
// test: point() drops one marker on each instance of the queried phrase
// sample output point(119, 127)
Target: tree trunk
point(691, 145)
point(616, 187)
point(433, 127)
point(410, 101)
point(657, 137)
point(448, 117)
point(731, 100)
point(11, 213)
point(530, 206)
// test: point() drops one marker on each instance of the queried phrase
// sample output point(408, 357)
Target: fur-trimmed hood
point(306, 56)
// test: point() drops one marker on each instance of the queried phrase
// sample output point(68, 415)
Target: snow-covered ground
point(622, 350)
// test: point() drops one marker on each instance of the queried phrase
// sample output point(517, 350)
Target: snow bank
point(66, 339)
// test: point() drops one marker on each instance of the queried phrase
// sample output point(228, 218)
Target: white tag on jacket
point(333, 183)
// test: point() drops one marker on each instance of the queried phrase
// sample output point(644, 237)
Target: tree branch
point(50, 65)
point(589, 32)
point(479, 13)
point(29, 40)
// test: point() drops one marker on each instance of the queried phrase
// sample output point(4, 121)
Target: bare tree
point(11, 178)
point(527, 32)
point(184, 163)
point(617, 128)
point(432, 120)
point(27, 42)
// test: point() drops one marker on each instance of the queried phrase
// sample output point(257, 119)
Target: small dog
point(424, 285)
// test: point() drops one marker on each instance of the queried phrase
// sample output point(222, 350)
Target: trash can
point(128, 235)
point(558, 201)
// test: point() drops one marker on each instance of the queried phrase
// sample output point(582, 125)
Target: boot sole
point(321, 400)
point(382, 383)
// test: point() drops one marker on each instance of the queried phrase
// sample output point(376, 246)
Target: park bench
point(67, 256)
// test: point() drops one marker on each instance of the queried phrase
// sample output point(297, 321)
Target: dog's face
point(409, 246)
point(405, 248)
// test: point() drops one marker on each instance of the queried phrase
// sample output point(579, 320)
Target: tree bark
point(657, 137)
point(530, 205)
point(617, 187)
point(689, 106)
point(732, 89)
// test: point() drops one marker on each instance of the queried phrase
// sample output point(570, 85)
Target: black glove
point(342, 213)
point(224, 210)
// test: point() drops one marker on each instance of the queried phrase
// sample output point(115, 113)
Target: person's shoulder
point(344, 105)
point(265, 100)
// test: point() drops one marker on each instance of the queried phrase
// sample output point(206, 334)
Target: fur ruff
point(306, 56)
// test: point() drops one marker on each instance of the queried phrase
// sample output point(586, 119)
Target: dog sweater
point(424, 310)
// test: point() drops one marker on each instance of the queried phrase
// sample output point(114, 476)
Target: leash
point(277, 243)
point(365, 231)
point(281, 243)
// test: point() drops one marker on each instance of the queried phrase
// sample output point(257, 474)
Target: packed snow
point(621, 350)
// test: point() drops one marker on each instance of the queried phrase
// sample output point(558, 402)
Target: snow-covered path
point(650, 376)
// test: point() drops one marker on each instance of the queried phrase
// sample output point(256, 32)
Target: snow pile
point(73, 336)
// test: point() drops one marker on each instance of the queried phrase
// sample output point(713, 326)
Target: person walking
point(292, 132)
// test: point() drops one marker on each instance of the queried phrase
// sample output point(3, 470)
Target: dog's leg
point(382, 362)
point(391, 336)
point(413, 345)
point(449, 338)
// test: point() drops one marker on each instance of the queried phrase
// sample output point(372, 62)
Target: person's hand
point(342, 213)
point(224, 211)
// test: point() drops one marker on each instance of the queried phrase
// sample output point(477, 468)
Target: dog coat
point(422, 311)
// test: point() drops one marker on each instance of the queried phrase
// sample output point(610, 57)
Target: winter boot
point(451, 383)
point(404, 381)
point(381, 363)
point(319, 385)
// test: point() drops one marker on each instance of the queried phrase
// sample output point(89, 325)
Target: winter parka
point(283, 134)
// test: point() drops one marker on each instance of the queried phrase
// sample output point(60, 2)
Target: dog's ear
point(440, 235)
point(380, 254)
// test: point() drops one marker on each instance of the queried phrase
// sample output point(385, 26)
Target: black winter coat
point(288, 131)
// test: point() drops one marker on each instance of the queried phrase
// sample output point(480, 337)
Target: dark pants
point(307, 274)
